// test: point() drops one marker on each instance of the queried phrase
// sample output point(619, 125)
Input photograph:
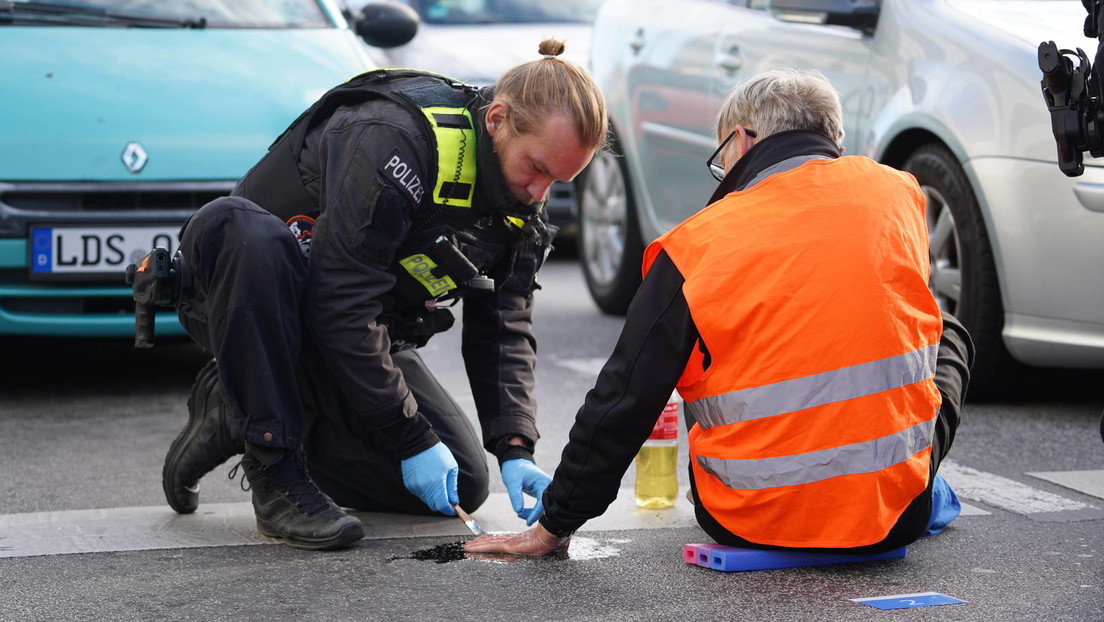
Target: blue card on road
point(907, 601)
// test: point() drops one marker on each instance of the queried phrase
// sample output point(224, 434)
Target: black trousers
point(952, 376)
point(243, 306)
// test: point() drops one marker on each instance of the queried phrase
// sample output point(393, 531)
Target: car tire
point(964, 274)
point(610, 247)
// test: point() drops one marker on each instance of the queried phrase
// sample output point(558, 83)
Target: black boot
point(290, 507)
point(214, 434)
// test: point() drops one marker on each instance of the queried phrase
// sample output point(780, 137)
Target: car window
point(217, 13)
point(506, 11)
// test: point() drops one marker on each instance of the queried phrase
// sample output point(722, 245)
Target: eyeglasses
point(715, 169)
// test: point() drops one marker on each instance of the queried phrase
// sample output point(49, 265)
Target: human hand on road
point(536, 541)
point(522, 476)
point(431, 476)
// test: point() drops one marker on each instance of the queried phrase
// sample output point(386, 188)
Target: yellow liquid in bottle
point(657, 476)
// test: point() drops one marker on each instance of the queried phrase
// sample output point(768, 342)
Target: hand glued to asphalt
point(536, 541)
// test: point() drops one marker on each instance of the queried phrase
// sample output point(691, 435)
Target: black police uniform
point(314, 332)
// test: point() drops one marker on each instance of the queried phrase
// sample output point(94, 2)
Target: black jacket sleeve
point(627, 399)
point(500, 350)
point(499, 356)
point(367, 207)
point(952, 378)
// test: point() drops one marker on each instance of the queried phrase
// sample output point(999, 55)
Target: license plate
point(94, 251)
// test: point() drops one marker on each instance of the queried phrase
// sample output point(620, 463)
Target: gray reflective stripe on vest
point(814, 466)
point(836, 385)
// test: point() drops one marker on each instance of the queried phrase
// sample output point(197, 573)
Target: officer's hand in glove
point(536, 541)
point(522, 476)
point(431, 476)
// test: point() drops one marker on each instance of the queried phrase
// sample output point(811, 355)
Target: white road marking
point(1008, 494)
point(233, 524)
point(587, 366)
point(972, 510)
point(1089, 482)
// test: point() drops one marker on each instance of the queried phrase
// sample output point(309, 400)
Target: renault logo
point(134, 157)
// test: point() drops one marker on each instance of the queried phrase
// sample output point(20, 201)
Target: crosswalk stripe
point(585, 366)
point(1008, 494)
point(972, 510)
point(1089, 482)
point(234, 524)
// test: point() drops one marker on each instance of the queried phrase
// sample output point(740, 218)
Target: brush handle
point(468, 520)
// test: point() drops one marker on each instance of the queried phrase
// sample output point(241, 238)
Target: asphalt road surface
point(85, 533)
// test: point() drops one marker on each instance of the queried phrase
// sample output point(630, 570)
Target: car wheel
point(610, 248)
point(963, 273)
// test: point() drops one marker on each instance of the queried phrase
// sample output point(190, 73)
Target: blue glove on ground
point(522, 476)
point(431, 476)
point(945, 506)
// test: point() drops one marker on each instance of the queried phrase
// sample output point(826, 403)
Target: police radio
point(1074, 94)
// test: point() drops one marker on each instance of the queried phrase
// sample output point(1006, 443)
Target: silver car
point(948, 90)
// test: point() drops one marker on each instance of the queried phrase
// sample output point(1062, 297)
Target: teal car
point(122, 117)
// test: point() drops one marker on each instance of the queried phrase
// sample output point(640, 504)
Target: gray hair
point(783, 99)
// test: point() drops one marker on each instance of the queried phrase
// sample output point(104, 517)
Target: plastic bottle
point(657, 462)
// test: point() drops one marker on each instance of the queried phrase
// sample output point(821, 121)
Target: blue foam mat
point(733, 559)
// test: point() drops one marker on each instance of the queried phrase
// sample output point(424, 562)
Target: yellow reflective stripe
point(517, 222)
point(836, 385)
point(421, 268)
point(814, 466)
point(455, 134)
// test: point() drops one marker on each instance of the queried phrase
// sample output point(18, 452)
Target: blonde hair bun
point(551, 47)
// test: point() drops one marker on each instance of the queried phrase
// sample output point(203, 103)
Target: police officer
point(337, 256)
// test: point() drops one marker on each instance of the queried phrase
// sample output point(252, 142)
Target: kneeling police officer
point(336, 257)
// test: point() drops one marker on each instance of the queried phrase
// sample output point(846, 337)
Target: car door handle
point(637, 42)
point(730, 61)
point(1091, 196)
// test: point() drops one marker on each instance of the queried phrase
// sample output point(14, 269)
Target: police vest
point(443, 104)
point(816, 407)
point(433, 268)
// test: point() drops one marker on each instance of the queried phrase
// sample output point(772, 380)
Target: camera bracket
point(1074, 94)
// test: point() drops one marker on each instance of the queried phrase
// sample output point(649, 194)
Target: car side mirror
point(859, 14)
point(387, 24)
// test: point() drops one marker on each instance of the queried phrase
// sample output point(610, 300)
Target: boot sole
point(348, 534)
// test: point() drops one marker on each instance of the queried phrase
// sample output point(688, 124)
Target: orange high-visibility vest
point(816, 413)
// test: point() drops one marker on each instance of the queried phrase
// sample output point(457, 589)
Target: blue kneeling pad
point(733, 559)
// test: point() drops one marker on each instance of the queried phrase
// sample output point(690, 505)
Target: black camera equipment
point(157, 279)
point(1074, 94)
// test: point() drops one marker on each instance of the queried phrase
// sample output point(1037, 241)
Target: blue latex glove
point(522, 476)
point(945, 507)
point(431, 476)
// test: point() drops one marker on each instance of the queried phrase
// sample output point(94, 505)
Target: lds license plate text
point(92, 250)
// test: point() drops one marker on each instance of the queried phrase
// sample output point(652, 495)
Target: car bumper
point(560, 206)
point(65, 310)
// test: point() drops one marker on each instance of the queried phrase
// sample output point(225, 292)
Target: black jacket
point(369, 216)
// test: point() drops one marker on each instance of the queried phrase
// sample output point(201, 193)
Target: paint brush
point(469, 521)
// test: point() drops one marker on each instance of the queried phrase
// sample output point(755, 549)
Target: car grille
point(69, 306)
point(104, 197)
